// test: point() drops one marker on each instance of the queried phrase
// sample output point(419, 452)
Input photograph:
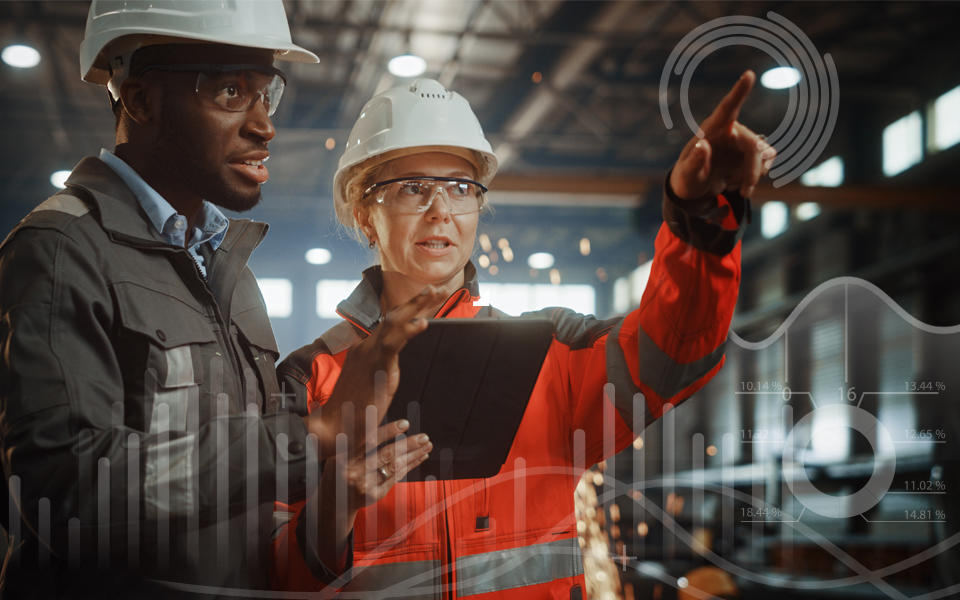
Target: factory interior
point(823, 461)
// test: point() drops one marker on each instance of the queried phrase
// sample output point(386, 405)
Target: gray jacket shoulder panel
point(573, 329)
point(58, 213)
point(335, 340)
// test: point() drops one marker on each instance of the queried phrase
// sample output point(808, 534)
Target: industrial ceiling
point(568, 93)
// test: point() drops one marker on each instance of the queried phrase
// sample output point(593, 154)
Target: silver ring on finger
point(384, 474)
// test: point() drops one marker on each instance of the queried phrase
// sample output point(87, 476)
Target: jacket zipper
point(225, 337)
point(448, 570)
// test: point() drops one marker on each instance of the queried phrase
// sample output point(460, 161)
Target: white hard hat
point(419, 117)
point(116, 28)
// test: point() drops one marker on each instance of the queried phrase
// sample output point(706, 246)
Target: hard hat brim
point(99, 72)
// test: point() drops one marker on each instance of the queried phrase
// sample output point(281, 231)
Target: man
point(143, 430)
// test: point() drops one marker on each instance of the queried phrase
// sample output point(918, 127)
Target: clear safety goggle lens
point(417, 194)
point(234, 88)
point(237, 91)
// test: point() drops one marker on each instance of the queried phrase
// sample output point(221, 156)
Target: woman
point(411, 183)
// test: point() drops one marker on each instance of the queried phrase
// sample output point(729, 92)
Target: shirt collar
point(362, 306)
point(171, 226)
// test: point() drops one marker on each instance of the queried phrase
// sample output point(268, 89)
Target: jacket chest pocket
point(260, 356)
point(168, 347)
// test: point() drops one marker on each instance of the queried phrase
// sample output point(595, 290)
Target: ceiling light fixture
point(540, 260)
point(780, 78)
point(407, 65)
point(20, 56)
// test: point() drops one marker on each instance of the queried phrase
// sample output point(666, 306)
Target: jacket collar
point(120, 213)
point(362, 306)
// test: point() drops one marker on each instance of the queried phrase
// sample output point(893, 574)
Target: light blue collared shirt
point(172, 226)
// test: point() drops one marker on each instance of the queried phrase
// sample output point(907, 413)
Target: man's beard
point(233, 200)
point(204, 179)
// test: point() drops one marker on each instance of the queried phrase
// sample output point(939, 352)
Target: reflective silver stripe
point(340, 337)
point(618, 374)
point(179, 392)
point(411, 579)
point(170, 409)
point(64, 203)
point(517, 567)
point(281, 518)
point(179, 367)
point(666, 376)
point(168, 478)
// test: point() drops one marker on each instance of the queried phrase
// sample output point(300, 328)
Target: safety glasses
point(414, 195)
point(234, 88)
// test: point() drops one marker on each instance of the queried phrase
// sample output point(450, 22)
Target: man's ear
point(137, 101)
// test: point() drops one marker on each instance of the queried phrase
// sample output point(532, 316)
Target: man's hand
point(370, 376)
point(725, 154)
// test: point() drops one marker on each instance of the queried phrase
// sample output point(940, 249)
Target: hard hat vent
point(428, 88)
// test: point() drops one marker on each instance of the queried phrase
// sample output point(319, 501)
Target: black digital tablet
point(466, 383)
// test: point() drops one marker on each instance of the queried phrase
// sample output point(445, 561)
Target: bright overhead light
point(540, 260)
point(59, 178)
point(585, 246)
point(780, 78)
point(485, 242)
point(20, 56)
point(407, 65)
point(318, 256)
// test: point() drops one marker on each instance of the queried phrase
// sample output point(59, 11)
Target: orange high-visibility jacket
point(514, 535)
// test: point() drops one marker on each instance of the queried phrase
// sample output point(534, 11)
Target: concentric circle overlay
point(828, 505)
point(812, 106)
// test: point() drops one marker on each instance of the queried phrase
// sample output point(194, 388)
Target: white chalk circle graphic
point(812, 106)
point(828, 505)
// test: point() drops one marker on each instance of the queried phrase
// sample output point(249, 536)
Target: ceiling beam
point(630, 189)
point(573, 61)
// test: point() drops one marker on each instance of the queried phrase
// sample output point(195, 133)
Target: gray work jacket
point(142, 427)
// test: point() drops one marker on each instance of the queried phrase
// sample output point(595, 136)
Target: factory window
point(902, 144)
point(944, 119)
point(725, 413)
point(807, 210)
point(516, 298)
point(830, 435)
point(770, 426)
point(330, 292)
point(278, 295)
point(898, 365)
point(627, 291)
point(773, 219)
point(829, 173)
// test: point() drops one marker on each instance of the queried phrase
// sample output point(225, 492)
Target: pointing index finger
point(728, 109)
